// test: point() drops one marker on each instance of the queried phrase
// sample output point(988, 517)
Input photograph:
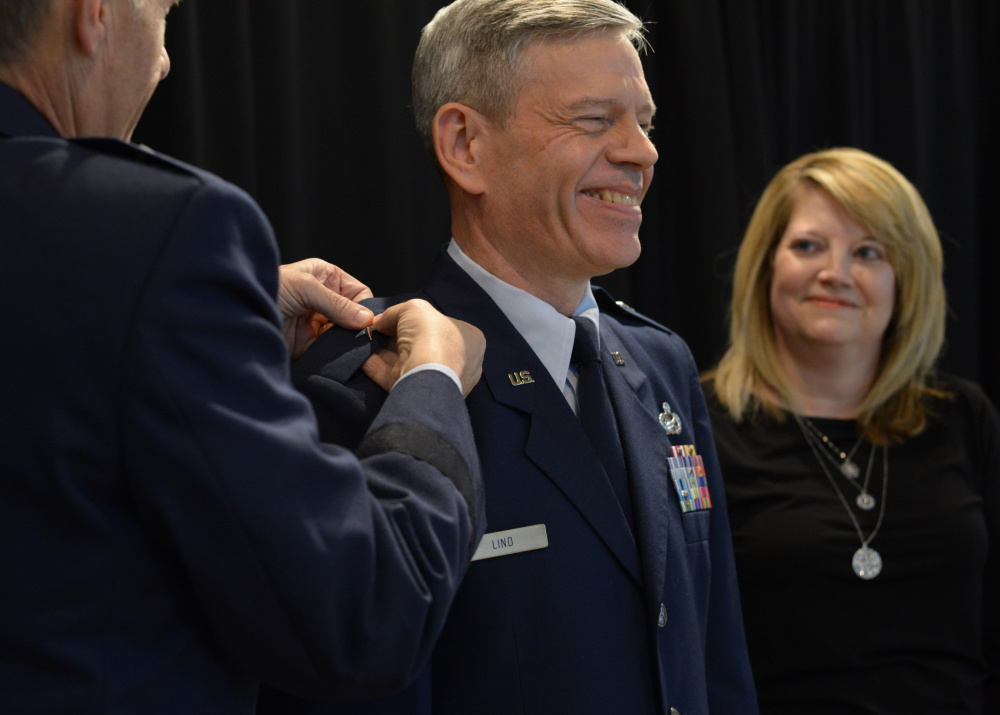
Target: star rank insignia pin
point(366, 331)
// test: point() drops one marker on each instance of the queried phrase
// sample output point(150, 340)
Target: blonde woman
point(863, 487)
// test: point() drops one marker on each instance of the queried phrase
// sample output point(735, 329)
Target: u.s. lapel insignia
point(520, 377)
point(671, 421)
point(617, 357)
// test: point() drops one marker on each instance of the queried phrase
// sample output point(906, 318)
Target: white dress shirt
point(549, 333)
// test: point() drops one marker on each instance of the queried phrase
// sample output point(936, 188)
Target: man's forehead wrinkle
point(604, 103)
point(588, 102)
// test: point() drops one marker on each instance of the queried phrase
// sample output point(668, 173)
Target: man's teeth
point(614, 197)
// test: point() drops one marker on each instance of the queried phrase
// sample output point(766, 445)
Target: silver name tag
point(512, 541)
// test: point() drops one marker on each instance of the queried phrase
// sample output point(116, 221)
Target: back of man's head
point(471, 51)
point(19, 23)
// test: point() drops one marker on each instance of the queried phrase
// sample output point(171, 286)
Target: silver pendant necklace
point(847, 467)
point(866, 562)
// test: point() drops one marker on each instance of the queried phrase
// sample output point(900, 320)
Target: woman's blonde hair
point(878, 197)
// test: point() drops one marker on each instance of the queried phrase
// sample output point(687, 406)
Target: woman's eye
point(804, 246)
point(870, 253)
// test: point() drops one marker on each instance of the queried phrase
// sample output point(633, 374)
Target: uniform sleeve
point(730, 679)
point(316, 571)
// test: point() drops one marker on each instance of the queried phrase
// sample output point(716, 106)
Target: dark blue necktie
point(596, 415)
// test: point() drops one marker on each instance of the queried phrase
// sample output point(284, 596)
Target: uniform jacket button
point(662, 620)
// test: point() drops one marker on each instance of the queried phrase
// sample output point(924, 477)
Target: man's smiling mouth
point(613, 197)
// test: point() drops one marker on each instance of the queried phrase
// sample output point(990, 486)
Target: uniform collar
point(20, 118)
point(548, 332)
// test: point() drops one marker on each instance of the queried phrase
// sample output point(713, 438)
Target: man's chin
point(616, 263)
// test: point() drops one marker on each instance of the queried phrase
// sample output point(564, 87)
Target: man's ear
point(89, 20)
point(458, 139)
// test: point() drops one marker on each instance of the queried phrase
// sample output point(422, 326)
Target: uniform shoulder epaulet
point(619, 308)
point(138, 153)
point(380, 304)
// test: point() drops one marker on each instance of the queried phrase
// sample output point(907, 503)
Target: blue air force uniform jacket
point(172, 531)
point(597, 622)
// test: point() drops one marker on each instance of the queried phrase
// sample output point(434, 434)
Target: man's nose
point(634, 147)
point(164, 64)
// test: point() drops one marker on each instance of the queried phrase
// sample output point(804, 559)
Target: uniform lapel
point(575, 468)
point(644, 443)
point(556, 443)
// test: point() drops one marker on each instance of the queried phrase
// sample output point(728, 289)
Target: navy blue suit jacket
point(172, 531)
point(575, 627)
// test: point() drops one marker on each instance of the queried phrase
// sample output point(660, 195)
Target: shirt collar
point(548, 332)
point(19, 117)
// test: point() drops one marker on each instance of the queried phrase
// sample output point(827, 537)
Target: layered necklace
point(847, 466)
point(867, 562)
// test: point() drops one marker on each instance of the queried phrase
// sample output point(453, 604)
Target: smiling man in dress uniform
point(606, 583)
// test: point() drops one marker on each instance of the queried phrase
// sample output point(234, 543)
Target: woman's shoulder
point(961, 393)
point(963, 411)
point(754, 418)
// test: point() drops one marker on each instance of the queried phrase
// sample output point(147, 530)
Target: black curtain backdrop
point(306, 105)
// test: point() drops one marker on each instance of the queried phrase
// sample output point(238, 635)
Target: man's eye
point(592, 124)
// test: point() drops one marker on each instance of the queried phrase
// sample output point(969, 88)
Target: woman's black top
point(921, 637)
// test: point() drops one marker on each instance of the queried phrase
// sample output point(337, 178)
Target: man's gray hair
point(471, 51)
point(19, 22)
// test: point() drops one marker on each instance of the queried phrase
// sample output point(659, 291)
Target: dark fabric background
point(305, 104)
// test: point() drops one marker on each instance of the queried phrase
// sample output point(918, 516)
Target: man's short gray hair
point(471, 51)
point(19, 22)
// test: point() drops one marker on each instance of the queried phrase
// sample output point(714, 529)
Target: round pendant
point(865, 501)
point(867, 563)
point(849, 469)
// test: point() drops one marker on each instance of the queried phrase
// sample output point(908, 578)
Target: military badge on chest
point(688, 474)
point(686, 467)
